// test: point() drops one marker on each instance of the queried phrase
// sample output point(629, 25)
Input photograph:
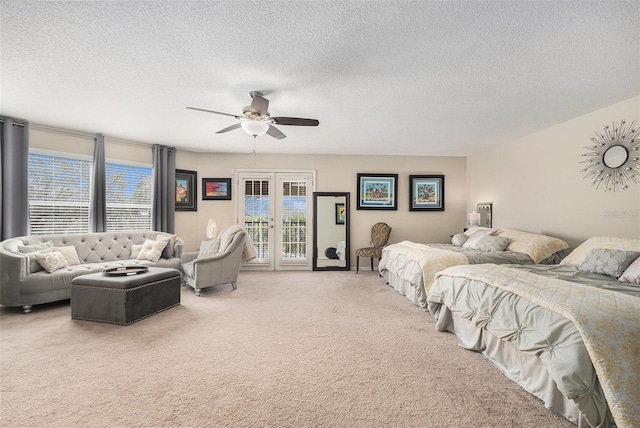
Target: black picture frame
point(216, 189)
point(186, 192)
point(426, 193)
point(377, 192)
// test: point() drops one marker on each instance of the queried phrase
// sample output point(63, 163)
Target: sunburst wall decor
point(614, 158)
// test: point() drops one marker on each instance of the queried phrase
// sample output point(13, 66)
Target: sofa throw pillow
point(30, 250)
point(170, 250)
point(608, 262)
point(209, 248)
point(135, 250)
point(151, 250)
point(492, 243)
point(459, 239)
point(51, 261)
point(166, 252)
point(632, 274)
point(70, 254)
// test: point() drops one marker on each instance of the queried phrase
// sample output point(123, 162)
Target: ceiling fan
point(256, 121)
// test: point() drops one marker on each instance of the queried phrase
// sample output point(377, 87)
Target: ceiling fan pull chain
point(254, 144)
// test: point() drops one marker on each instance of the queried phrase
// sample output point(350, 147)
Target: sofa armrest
point(14, 267)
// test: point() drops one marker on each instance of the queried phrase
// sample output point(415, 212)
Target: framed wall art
point(377, 191)
point(186, 190)
point(426, 193)
point(216, 189)
point(340, 214)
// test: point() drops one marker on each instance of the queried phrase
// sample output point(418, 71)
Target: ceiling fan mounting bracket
point(253, 94)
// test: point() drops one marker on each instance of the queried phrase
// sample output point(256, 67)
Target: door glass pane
point(256, 215)
point(294, 220)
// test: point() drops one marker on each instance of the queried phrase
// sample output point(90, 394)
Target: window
point(58, 193)
point(129, 197)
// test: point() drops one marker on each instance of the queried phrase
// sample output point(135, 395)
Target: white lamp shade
point(255, 127)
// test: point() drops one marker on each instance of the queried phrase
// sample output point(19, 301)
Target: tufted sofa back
point(95, 247)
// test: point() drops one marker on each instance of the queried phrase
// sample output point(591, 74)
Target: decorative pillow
point(135, 250)
point(535, 245)
point(170, 249)
point(473, 229)
point(632, 274)
point(30, 250)
point(459, 239)
point(473, 240)
point(209, 248)
point(166, 253)
point(70, 254)
point(151, 250)
point(51, 261)
point(608, 262)
point(492, 243)
point(578, 255)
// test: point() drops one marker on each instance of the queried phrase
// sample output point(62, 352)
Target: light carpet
point(286, 349)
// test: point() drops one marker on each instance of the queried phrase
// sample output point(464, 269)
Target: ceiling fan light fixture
point(255, 128)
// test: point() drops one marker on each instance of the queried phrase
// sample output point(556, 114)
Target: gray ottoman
point(124, 299)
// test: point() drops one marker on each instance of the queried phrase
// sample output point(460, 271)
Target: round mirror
point(615, 156)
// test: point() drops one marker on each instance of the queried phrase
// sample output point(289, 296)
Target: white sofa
point(24, 283)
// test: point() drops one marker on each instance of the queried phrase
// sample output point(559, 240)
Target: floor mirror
point(331, 231)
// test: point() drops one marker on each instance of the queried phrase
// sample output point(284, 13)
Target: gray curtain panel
point(164, 188)
point(98, 208)
point(14, 178)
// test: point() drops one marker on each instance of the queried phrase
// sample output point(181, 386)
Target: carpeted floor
point(286, 349)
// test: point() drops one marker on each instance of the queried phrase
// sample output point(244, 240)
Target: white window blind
point(58, 194)
point(129, 197)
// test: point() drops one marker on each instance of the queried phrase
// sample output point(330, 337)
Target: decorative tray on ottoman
point(125, 270)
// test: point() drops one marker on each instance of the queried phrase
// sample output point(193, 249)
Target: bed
point(410, 267)
point(569, 333)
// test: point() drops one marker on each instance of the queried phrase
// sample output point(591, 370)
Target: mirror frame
point(347, 221)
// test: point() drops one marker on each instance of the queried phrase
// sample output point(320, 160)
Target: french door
point(275, 209)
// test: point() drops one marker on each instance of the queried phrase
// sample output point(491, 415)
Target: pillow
point(166, 253)
point(169, 249)
point(70, 254)
point(51, 261)
point(608, 262)
point(30, 250)
point(135, 250)
point(473, 229)
point(151, 250)
point(535, 245)
point(473, 240)
point(492, 243)
point(632, 274)
point(209, 248)
point(459, 239)
point(578, 255)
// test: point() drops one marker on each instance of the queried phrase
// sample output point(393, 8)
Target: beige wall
point(337, 174)
point(536, 185)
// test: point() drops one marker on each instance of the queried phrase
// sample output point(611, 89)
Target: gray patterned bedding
point(575, 323)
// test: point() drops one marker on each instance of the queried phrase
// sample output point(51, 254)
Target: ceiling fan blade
point(216, 112)
point(229, 128)
point(259, 105)
point(295, 121)
point(275, 133)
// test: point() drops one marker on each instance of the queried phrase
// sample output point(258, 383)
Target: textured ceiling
point(382, 77)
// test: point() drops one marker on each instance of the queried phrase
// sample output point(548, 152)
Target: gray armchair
point(220, 269)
